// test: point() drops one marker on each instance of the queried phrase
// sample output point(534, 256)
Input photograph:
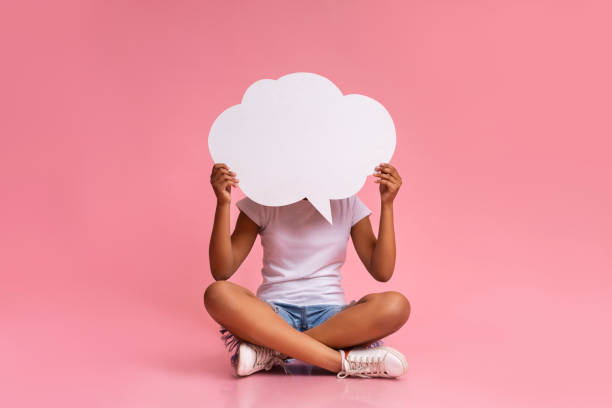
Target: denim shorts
point(301, 318)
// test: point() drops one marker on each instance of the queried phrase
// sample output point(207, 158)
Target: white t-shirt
point(302, 251)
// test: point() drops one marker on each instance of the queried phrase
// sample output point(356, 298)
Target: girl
point(299, 309)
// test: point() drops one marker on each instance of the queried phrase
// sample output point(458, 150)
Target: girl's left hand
point(390, 182)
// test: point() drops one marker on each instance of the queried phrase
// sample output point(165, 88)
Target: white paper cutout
point(298, 136)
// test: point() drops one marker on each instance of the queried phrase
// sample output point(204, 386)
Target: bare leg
point(373, 317)
point(253, 320)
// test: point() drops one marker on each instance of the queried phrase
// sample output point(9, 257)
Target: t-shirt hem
point(314, 303)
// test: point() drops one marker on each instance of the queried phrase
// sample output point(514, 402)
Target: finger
point(387, 181)
point(227, 177)
point(225, 171)
point(390, 185)
point(382, 168)
point(390, 169)
point(216, 178)
point(228, 183)
point(381, 175)
point(386, 176)
point(387, 168)
point(222, 177)
point(217, 167)
point(395, 172)
point(219, 171)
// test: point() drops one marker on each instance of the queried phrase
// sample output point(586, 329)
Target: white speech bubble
point(298, 136)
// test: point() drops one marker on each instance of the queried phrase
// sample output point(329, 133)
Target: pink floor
point(507, 354)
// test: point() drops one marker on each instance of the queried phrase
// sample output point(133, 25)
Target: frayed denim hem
point(232, 344)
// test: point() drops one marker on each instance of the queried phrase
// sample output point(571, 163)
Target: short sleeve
point(360, 210)
point(252, 209)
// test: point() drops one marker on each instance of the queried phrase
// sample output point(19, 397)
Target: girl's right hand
point(222, 180)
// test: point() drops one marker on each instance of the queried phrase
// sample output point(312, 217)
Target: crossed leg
point(250, 319)
point(373, 317)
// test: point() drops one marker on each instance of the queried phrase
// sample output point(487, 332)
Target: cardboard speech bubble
point(298, 136)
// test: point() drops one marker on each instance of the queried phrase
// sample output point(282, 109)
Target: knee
point(215, 294)
point(395, 307)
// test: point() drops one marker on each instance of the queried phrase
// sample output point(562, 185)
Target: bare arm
point(378, 255)
point(227, 252)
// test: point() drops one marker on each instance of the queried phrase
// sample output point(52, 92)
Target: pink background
point(503, 222)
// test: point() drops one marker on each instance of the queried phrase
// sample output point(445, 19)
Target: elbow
point(220, 277)
point(220, 274)
point(383, 277)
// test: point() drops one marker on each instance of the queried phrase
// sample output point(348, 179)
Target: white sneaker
point(252, 358)
point(382, 361)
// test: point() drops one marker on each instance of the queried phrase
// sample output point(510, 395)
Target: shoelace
point(266, 357)
point(374, 365)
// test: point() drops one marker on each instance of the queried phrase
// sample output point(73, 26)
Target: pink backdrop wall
point(503, 222)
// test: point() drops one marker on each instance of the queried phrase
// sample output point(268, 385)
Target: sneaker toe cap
point(394, 366)
point(395, 363)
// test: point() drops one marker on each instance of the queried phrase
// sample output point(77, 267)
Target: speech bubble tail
point(323, 206)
